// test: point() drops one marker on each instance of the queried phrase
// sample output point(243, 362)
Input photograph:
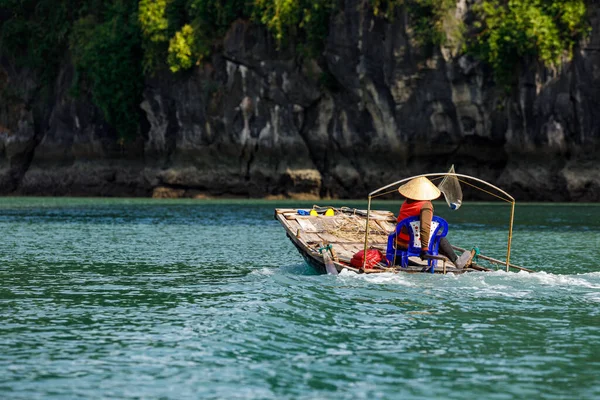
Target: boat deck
point(345, 232)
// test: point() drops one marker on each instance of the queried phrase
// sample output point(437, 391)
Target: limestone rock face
point(258, 121)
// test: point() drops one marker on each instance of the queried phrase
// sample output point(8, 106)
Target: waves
point(119, 308)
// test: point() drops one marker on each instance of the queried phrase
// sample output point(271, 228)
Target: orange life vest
point(409, 209)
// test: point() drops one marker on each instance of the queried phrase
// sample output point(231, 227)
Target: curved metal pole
point(443, 174)
point(366, 235)
point(509, 197)
point(510, 228)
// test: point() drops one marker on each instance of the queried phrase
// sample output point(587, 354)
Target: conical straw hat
point(419, 188)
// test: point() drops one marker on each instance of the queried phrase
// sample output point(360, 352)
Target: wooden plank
point(345, 233)
point(329, 238)
point(378, 241)
point(306, 225)
point(381, 248)
point(478, 268)
point(310, 237)
point(494, 261)
point(348, 249)
point(352, 248)
point(387, 226)
point(284, 222)
point(343, 252)
point(343, 257)
point(293, 227)
point(285, 210)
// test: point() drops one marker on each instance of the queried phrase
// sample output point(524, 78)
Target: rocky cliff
point(260, 121)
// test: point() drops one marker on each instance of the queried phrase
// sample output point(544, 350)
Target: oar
point(493, 260)
point(329, 266)
point(478, 267)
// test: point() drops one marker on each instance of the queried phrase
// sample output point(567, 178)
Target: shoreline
point(302, 203)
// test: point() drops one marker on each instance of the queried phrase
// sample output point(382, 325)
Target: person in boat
point(418, 193)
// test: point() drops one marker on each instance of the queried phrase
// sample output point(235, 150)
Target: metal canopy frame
point(508, 199)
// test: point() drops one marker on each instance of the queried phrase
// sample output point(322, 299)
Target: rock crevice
point(256, 120)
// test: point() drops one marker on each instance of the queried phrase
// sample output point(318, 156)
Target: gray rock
point(258, 121)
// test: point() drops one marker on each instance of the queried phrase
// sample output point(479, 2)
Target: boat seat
point(439, 229)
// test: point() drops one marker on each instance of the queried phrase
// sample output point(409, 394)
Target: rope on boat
point(348, 224)
point(352, 228)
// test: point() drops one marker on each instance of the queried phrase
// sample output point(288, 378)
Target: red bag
point(373, 257)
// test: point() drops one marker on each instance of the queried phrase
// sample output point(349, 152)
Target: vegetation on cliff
point(188, 31)
point(113, 44)
point(104, 42)
point(508, 33)
point(106, 53)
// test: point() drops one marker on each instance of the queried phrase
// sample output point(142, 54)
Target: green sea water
point(183, 299)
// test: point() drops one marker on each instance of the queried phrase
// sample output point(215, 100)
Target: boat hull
point(344, 233)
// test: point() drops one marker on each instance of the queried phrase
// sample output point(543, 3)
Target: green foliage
point(104, 41)
point(113, 43)
point(185, 30)
point(308, 19)
point(210, 21)
point(509, 31)
point(385, 7)
point(505, 31)
point(36, 34)
point(182, 48)
point(159, 21)
point(188, 31)
point(153, 20)
point(216, 16)
point(430, 19)
point(106, 52)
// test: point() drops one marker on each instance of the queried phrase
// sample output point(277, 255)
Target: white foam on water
point(504, 280)
point(523, 285)
point(380, 278)
point(595, 274)
point(339, 352)
point(494, 284)
point(263, 271)
point(593, 297)
point(486, 284)
point(347, 272)
point(550, 279)
point(502, 284)
point(504, 291)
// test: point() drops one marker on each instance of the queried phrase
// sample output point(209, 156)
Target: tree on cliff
point(114, 44)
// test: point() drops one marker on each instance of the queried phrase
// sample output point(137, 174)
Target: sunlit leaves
point(113, 43)
point(304, 19)
point(181, 49)
point(153, 19)
point(508, 31)
point(279, 15)
point(189, 33)
point(433, 21)
point(185, 30)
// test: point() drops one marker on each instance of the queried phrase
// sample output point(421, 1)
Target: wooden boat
point(329, 237)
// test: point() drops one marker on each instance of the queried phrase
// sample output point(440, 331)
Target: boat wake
point(263, 272)
point(588, 280)
point(496, 279)
point(382, 278)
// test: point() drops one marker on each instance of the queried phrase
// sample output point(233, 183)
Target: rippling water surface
point(116, 298)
